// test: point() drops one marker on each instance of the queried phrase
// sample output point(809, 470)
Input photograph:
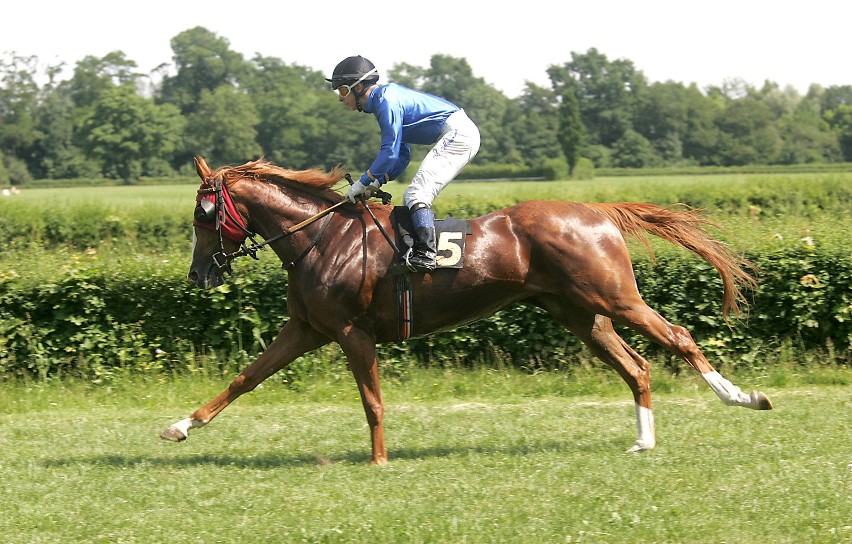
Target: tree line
point(108, 120)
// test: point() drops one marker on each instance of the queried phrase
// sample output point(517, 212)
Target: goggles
point(344, 90)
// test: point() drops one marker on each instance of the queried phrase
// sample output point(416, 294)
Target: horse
point(568, 258)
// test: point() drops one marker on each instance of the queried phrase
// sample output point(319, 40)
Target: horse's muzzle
point(212, 277)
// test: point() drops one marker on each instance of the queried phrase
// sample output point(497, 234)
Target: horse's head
point(263, 192)
point(218, 230)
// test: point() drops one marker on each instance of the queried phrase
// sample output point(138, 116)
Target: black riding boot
point(421, 258)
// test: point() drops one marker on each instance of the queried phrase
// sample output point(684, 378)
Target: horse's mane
point(314, 180)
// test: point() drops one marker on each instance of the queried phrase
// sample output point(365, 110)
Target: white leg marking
point(728, 392)
point(645, 425)
point(185, 425)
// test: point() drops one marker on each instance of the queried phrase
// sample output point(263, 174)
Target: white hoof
point(173, 434)
point(180, 430)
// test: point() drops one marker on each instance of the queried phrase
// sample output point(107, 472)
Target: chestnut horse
point(568, 258)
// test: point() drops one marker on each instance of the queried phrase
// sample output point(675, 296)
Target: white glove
point(357, 189)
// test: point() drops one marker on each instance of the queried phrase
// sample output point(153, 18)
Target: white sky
point(506, 43)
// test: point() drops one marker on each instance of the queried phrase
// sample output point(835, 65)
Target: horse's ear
point(202, 168)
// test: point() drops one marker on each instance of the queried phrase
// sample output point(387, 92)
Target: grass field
point(727, 191)
point(477, 457)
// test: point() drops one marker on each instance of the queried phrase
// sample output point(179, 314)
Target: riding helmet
point(350, 70)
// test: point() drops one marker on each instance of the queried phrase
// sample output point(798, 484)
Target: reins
point(223, 260)
point(313, 244)
point(251, 251)
point(386, 198)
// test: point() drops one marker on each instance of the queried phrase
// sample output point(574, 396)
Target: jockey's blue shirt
point(405, 116)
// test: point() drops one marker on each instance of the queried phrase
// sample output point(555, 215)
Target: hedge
point(97, 321)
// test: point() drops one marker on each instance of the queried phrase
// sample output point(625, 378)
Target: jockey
point(406, 116)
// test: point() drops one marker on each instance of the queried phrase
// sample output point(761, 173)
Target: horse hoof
point(172, 434)
point(640, 448)
point(760, 401)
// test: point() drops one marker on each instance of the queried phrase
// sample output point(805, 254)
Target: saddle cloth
point(449, 235)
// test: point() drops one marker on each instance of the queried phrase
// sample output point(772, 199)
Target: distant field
point(111, 196)
point(778, 189)
point(759, 208)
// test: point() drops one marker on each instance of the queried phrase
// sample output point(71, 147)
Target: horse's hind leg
point(597, 332)
point(678, 341)
point(295, 339)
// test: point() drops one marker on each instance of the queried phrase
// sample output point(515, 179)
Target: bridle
point(215, 210)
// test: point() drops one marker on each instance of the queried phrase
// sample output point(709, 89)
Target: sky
point(505, 43)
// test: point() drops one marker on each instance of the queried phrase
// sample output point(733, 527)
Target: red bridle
point(223, 215)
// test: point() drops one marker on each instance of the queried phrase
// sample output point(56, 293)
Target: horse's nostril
point(192, 276)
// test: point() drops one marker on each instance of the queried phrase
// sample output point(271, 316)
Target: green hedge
point(714, 170)
point(98, 321)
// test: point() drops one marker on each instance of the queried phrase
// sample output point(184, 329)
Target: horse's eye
point(205, 211)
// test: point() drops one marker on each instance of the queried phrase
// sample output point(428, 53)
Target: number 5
point(445, 243)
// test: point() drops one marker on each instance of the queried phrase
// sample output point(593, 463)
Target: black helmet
point(353, 70)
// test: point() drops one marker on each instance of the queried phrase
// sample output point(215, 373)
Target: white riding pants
point(458, 144)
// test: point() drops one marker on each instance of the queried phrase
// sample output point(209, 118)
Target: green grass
point(723, 193)
point(118, 197)
point(482, 456)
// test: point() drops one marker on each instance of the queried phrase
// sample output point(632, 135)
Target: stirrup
point(425, 264)
point(406, 260)
point(405, 266)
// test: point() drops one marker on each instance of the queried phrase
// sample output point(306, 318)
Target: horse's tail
point(687, 228)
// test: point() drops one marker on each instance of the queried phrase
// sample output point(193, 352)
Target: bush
point(601, 156)
point(4, 173)
point(97, 321)
point(16, 170)
point(555, 169)
point(585, 169)
point(499, 171)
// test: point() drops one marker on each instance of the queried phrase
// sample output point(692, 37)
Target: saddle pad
point(449, 235)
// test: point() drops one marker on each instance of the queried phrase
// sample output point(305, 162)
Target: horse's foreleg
point(677, 340)
point(360, 350)
point(295, 339)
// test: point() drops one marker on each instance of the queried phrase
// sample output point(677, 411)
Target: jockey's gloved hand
point(373, 188)
point(357, 189)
